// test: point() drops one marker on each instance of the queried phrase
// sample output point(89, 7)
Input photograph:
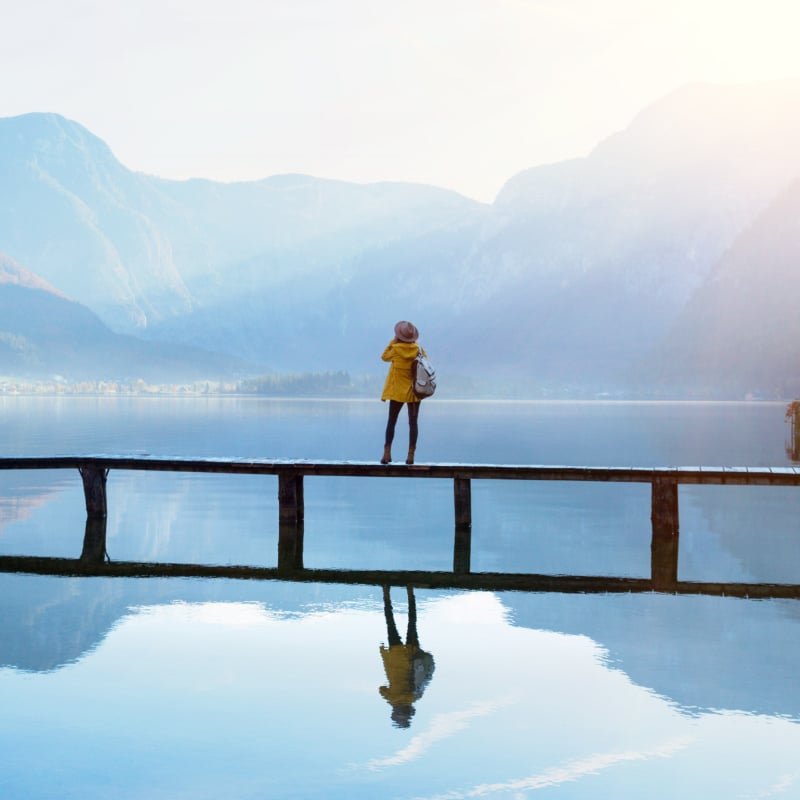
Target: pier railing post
point(665, 541)
point(290, 520)
point(462, 546)
point(94, 490)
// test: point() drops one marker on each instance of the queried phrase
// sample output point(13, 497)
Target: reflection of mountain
point(753, 527)
point(699, 652)
point(48, 622)
point(18, 498)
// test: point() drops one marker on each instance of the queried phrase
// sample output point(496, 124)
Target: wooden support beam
point(664, 544)
point(94, 490)
point(290, 546)
point(291, 512)
point(94, 541)
point(462, 497)
point(290, 497)
point(462, 545)
point(462, 550)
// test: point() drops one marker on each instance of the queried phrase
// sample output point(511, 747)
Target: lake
point(189, 688)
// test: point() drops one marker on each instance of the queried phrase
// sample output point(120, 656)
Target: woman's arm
point(389, 351)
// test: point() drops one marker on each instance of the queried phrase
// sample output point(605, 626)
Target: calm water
point(156, 688)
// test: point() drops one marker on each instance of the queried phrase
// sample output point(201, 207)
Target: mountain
point(75, 216)
point(567, 283)
point(570, 278)
point(740, 333)
point(591, 260)
point(42, 334)
point(137, 249)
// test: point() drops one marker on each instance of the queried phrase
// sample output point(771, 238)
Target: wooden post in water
point(290, 520)
point(94, 541)
point(462, 547)
point(290, 496)
point(664, 544)
point(94, 490)
point(290, 546)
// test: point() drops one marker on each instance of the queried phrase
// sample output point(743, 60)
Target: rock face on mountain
point(740, 333)
point(568, 282)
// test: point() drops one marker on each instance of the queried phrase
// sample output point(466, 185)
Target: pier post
point(462, 497)
point(94, 490)
point(664, 544)
point(290, 520)
point(462, 550)
point(462, 547)
point(290, 496)
point(794, 449)
point(94, 541)
point(290, 545)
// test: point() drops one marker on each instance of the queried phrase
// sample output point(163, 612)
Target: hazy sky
point(456, 93)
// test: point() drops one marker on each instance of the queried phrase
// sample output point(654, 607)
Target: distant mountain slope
point(592, 259)
point(570, 279)
point(13, 274)
point(137, 249)
point(42, 334)
point(741, 331)
point(576, 271)
point(581, 267)
point(74, 215)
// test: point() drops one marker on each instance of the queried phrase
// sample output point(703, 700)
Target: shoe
point(387, 454)
point(410, 459)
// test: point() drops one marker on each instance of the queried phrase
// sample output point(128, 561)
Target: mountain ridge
point(569, 281)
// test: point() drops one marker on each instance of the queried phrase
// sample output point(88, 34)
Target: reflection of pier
point(664, 484)
point(483, 581)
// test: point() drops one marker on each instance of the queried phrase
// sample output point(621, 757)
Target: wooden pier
point(664, 483)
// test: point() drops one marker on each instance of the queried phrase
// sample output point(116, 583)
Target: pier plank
point(685, 474)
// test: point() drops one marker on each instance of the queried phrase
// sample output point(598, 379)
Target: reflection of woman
point(408, 667)
point(399, 388)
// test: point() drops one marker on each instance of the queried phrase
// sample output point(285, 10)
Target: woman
point(399, 387)
point(408, 667)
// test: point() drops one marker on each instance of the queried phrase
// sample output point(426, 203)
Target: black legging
point(413, 415)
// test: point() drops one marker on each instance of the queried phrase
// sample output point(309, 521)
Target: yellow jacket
point(408, 669)
point(398, 384)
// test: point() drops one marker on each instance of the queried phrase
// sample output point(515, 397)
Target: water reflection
point(189, 687)
point(94, 549)
point(408, 667)
point(532, 692)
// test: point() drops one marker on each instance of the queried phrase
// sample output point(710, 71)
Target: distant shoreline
point(217, 396)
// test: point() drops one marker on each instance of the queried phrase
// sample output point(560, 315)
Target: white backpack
point(424, 377)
